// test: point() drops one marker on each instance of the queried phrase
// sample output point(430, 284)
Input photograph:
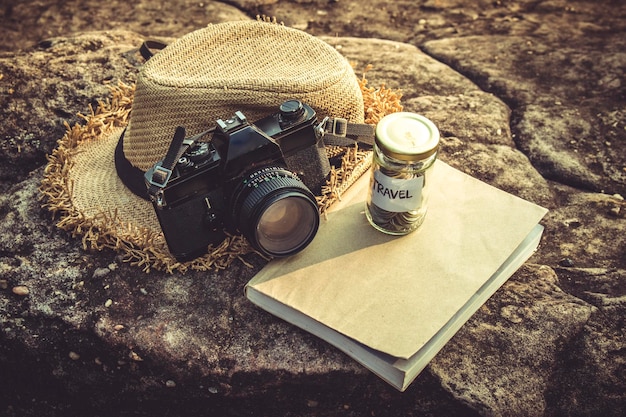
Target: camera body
point(252, 177)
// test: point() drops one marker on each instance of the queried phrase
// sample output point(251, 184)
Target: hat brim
point(81, 184)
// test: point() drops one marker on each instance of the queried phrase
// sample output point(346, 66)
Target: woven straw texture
point(247, 66)
point(80, 181)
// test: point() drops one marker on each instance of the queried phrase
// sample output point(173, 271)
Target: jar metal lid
point(407, 136)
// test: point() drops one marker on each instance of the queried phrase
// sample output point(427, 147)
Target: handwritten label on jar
point(396, 194)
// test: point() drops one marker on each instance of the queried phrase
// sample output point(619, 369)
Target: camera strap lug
point(157, 179)
point(320, 128)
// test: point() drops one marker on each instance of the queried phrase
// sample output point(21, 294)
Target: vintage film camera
point(252, 177)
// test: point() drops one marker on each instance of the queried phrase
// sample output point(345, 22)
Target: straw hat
point(247, 66)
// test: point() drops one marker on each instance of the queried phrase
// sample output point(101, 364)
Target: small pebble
point(101, 272)
point(170, 384)
point(108, 303)
point(118, 327)
point(74, 356)
point(566, 262)
point(213, 390)
point(4, 284)
point(574, 223)
point(21, 290)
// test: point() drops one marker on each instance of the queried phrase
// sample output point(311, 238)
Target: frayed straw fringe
point(378, 102)
point(354, 163)
point(145, 248)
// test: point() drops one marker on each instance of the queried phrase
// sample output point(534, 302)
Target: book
point(392, 302)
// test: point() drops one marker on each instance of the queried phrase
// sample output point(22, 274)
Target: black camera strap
point(339, 132)
point(157, 178)
point(335, 131)
point(150, 47)
point(135, 179)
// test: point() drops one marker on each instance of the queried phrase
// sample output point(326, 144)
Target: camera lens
point(286, 225)
point(276, 212)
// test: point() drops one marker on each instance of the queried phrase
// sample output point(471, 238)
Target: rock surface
point(529, 97)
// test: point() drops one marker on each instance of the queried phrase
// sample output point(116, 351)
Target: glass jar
point(405, 149)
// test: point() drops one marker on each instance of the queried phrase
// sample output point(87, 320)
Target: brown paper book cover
point(392, 302)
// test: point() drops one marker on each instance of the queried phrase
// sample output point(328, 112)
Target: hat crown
point(248, 66)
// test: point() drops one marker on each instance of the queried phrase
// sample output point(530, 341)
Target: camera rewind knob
point(291, 111)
